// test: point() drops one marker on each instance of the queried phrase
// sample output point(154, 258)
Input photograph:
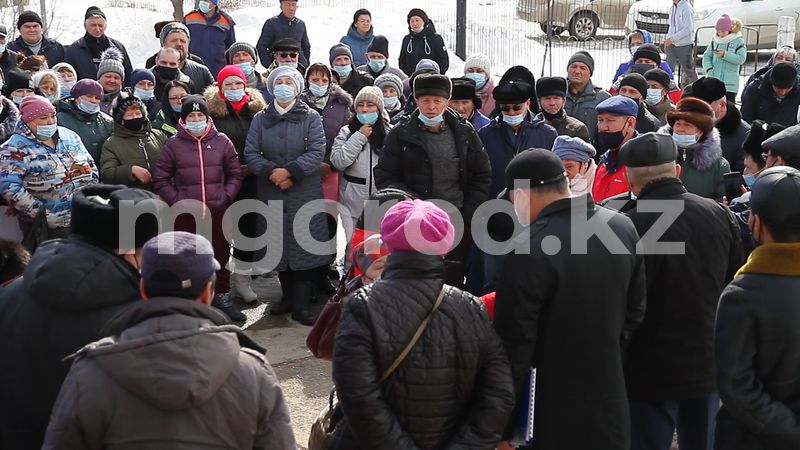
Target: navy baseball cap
point(177, 260)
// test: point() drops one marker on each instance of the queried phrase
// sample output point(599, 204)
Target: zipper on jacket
point(202, 174)
point(144, 152)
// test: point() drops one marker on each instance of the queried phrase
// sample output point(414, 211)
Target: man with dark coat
point(453, 389)
point(70, 289)
point(171, 363)
point(634, 86)
point(84, 54)
point(212, 31)
point(436, 154)
point(284, 25)
point(670, 363)
point(465, 101)
point(774, 97)
point(757, 344)
point(8, 57)
point(344, 71)
point(583, 96)
point(31, 40)
point(569, 296)
point(176, 35)
point(167, 69)
point(551, 94)
point(732, 129)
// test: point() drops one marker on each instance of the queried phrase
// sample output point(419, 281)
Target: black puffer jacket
point(69, 290)
point(454, 388)
point(405, 162)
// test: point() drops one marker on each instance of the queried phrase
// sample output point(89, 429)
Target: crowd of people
point(128, 340)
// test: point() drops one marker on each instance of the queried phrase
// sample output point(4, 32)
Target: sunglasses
point(288, 54)
point(509, 108)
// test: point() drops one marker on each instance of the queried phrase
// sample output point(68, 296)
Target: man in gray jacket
point(173, 373)
point(582, 95)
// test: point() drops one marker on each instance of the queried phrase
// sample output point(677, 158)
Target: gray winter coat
point(582, 106)
point(173, 375)
point(293, 141)
point(353, 155)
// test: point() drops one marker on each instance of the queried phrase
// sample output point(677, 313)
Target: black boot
point(302, 292)
point(324, 284)
point(285, 306)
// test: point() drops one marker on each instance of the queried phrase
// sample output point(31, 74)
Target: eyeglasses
point(288, 54)
point(509, 108)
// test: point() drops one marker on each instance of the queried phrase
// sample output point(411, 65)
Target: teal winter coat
point(726, 68)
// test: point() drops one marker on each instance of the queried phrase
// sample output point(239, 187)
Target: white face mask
point(522, 207)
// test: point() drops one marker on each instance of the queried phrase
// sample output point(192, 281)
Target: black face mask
point(547, 116)
point(610, 141)
point(133, 124)
point(167, 73)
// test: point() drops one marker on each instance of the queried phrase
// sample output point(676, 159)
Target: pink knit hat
point(35, 106)
point(724, 23)
point(419, 226)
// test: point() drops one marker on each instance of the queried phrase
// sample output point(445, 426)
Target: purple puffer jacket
point(205, 169)
point(335, 115)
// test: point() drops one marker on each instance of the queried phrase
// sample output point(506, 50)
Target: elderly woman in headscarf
point(577, 156)
point(284, 149)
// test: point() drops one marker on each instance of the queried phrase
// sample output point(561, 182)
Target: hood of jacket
point(705, 153)
point(339, 95)
point(172, 353)
point(648, 36)
point(427, 31)
point(352, 33)
point(75, 275)
point(218, 107)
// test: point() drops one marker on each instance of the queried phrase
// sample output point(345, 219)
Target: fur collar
point(705, 154)
point(773, 259)
point(218, 108)
point(730, 123)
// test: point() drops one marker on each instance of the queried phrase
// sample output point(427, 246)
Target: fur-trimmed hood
point(218, 108)
point(340, 96)
point(706, 152)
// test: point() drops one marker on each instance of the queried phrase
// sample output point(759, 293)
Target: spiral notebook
point(523, 428)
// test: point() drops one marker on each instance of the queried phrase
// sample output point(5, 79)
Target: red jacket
point(610, 179)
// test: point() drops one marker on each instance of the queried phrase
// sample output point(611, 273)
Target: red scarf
point(238, 105)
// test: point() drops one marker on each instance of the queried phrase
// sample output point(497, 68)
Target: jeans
point(653, 423)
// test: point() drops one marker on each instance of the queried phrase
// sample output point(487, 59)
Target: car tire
point(583, 25)
point(555, 30)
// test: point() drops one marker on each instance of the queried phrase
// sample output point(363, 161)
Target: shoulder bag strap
point(414, 339)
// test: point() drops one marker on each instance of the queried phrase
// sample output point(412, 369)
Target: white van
point(653, 16)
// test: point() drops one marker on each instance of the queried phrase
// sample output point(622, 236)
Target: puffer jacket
point(354, 156)
point(356, 81)
point(582, 106)
point(732, 132)
point(199, 74)
point(9, 118)
point(452, 391)
point(235, 126)
point(136, 388)
point(293, 141)
point(405, 162)
point(358, 44)
point(758, 353)
point(35, 176)
point(427, 44)
point(125, 149)
point(70, 289)
point(726, 68)
point(93, 129)
point(335, 114)
point(703, 167)
point(206, 169)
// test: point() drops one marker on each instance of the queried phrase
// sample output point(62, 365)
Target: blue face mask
point(430, 122)
point(175, 108)
point(196, 128)
point(2, 48)
point(66, 87)
point(391, 102)
point(88, 108)
point(17, 99)
point(50, 98)
point(248, 68)
point(478, 78)
point(513, 120)
point(749, 179)
point(377, 64)
point(343, 71)
point(367, 118)
point(45, 132)
point(317, 90)
point(283, 93)
point(205, 7)
point(234, 95)
point(653, 97)
point(143, 94)
point(684, 140)
point(633, 49)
